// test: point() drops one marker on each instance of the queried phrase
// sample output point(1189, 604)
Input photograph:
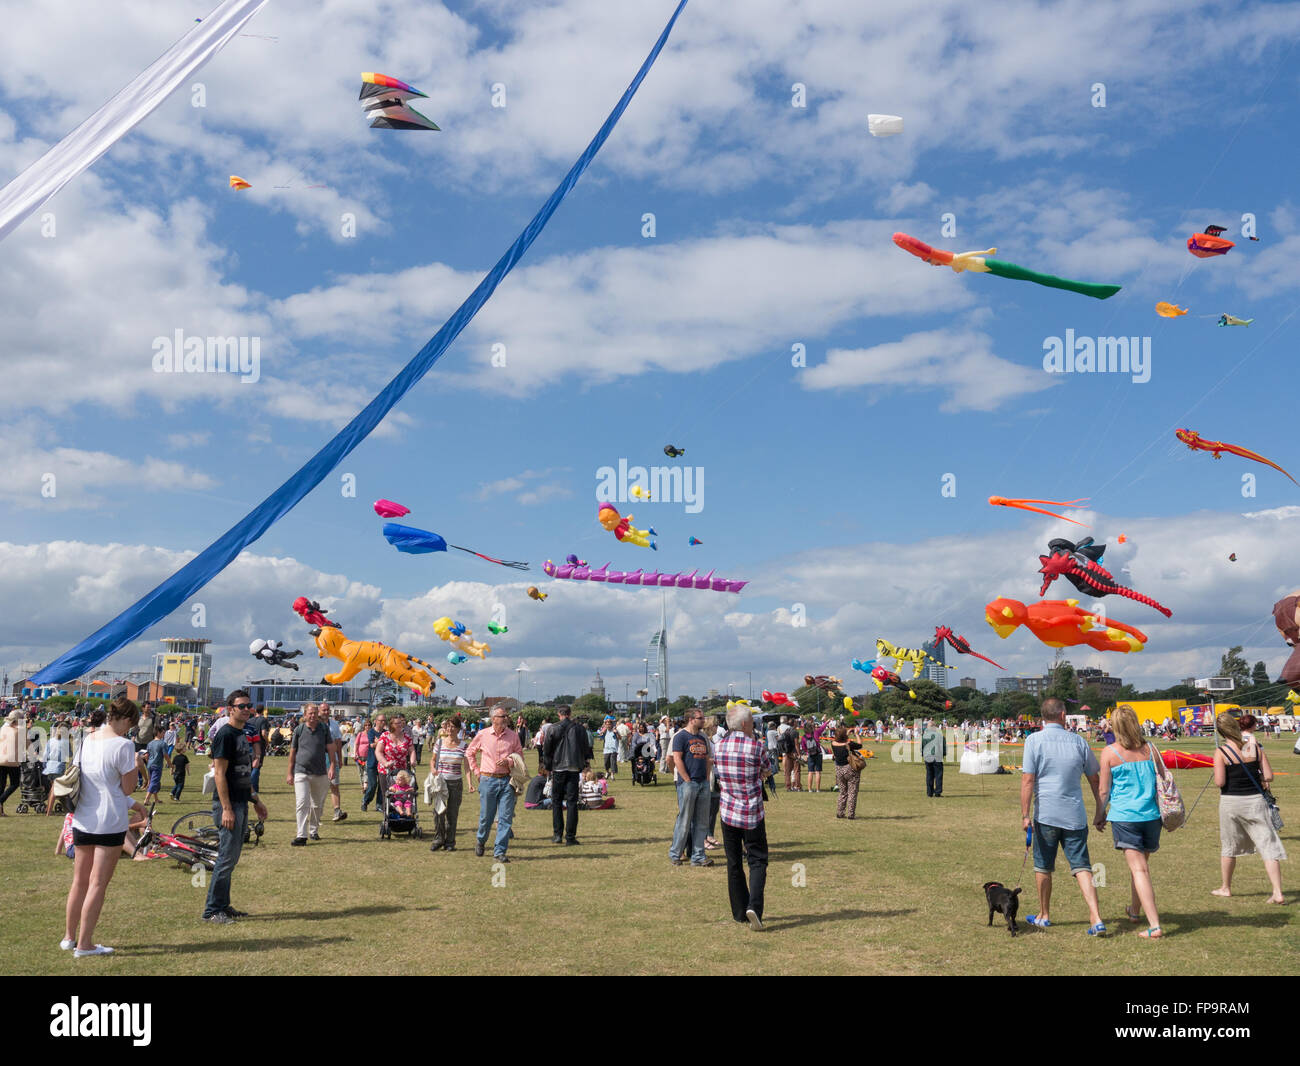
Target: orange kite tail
point(1246, 453)
point(1002, 501)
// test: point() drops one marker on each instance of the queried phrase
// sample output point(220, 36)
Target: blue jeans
point(256, 778)
point(178, 786)
point(1048, 838)
point(496, 800)
point(232, 843)
point(692, 820)
point(374, 785)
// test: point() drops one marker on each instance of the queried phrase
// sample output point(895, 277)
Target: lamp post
point(750, 674)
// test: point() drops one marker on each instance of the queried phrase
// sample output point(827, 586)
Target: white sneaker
point(67, 945)
point(755, 922)
point(98, 949)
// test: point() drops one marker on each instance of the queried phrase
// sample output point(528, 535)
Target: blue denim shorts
point(1047, 838)
point(1137, 836)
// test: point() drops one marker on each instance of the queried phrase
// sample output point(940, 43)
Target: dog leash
point(1029, 835)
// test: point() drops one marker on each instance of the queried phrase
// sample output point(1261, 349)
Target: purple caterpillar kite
point(574, 569)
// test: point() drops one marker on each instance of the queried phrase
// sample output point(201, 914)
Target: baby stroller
point(397, 820)
point(32, 790)
point(643, 768)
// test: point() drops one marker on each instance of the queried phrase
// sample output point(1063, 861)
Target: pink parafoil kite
point(389, 509)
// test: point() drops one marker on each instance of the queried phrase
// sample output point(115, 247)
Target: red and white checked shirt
point(741, 763)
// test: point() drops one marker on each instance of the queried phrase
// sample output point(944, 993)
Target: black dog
point(1004, 901)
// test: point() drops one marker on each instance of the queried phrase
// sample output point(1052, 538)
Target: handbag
point(1274, 812)
point(856, 762)
point(67, 786)
point(1173, 813)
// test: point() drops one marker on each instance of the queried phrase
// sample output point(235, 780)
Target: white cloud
point(36, 474)
point(959, 362)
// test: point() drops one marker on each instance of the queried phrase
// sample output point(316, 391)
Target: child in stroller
point(400, 811)
point(34, 789)
point(643, 767)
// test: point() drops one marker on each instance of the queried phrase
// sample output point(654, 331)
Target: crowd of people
point(723, 769)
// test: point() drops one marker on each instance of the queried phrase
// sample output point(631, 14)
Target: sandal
point(1154, 933)
point(1131, 916)
point(1041, 923)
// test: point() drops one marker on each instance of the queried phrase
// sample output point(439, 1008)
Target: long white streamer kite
point(80, 148)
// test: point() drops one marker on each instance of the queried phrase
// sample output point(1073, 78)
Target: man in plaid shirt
point(742, 764)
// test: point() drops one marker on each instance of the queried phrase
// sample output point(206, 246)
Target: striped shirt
point(741, 765)
point(451, 761)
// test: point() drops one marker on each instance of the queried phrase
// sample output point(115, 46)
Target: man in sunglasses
point(232, 762)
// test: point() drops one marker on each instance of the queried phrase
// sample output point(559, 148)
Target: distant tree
point(1234, 666)
point(1126, 694)
point(679, 706)
point(1064, 686)
point(1091, 697)
point(1259, 675)
point(1013, 705)
point(592, 703)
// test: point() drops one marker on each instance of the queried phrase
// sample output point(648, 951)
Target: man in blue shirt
point(158, 756)
point(1054, 761)
point(691, 757)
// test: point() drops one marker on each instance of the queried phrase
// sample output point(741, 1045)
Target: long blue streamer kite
point(172, 593)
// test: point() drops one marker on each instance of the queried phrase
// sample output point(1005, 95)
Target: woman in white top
point(109, 770)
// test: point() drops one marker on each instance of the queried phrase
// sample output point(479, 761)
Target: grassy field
point(895, 892)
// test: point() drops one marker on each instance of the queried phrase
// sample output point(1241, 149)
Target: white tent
point(979, 762)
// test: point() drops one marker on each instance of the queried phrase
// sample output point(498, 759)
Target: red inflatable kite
point(1194, 441)
point(1063, 624)
point(1185, 760)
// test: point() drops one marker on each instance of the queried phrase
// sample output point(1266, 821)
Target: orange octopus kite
point(1063, 624)
point(1002, 501)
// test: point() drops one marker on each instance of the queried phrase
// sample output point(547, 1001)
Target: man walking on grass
point(489, 756)
point(1054, 760)
point(307, 773)
point(742, 766)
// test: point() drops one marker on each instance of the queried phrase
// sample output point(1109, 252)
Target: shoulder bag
point(1274, 812)
point(67, 787)
point(1173, 813)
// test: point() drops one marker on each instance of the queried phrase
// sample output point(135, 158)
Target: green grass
point(897, 891)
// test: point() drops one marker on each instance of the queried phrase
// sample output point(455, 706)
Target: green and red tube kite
point(980, 263)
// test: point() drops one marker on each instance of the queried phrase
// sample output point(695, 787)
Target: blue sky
point(822, 484)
